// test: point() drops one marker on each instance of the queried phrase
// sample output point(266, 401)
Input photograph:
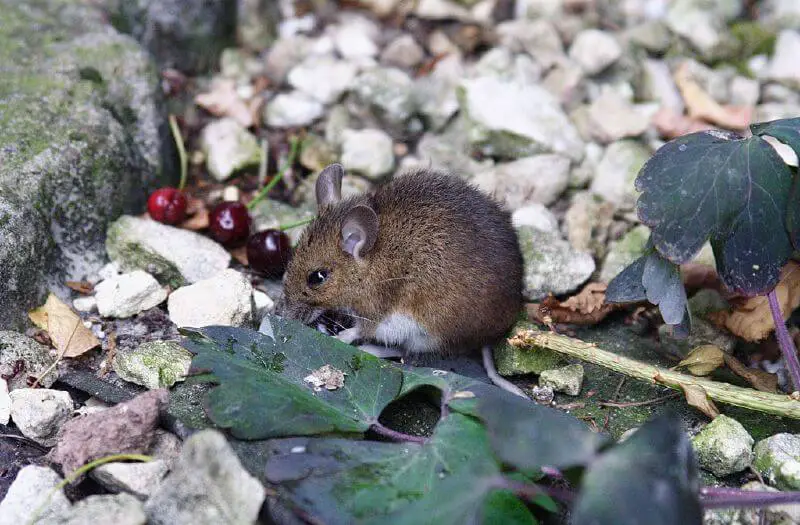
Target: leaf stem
point(784, 340)
point(78, 472)
point(295, 224)
point(394, 435)
point(529, 491)
point(294, 145)
point(176, 135)
point(720, 497)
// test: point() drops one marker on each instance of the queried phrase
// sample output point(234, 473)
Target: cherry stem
point(294, 146)
point(395, 435)
point(784, 340)
point(176, 135)
point(295, 224)
point(721, 497)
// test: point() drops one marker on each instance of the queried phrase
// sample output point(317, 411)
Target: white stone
point(86, 303)
point(295, 109)
point(40, 412)
point(613, 118)
point(228, 148)
point(5, 403)
point(355, 37)
point(535, 215)
point(324, 78)
point(595, 50)
point(435, 93)
point(528, 112)
point(615, 175)
point(128, 294)
point(785, 65)
point(30, 490)
point(538, 38)
point(388, 92)
point(139, 479)
point(659, 85)
point(703, 25)
point(367, 151)
point(540, 178)
point(403, 52)
point(108, 271)
point(744, 91)
point(224, 299)
point(263, 303)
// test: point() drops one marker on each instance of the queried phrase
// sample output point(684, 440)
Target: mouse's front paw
point(348, 335)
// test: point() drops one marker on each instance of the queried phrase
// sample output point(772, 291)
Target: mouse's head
point(328, 270)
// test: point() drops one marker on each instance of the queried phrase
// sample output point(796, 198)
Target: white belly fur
point(403, 331)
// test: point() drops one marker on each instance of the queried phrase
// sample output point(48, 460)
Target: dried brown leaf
point(587, 307)
point(697, 397)
point(750, 317)
point(240, 254)
point(759, 379)
point(671, 124)
point(64, 326)
point(701, 105)
point(82, 287)
point(703, 360)
point(224, 101)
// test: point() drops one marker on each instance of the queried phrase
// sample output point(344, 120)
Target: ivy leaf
point(347, 481)
point(718, 185)
point(653, 473)
point(627, 286)
point(262, 392)
point(662, 281)
point(793, 214)
point(786, 130)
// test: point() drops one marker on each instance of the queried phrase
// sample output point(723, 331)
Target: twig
point(766, 402)
point(720, 497)
point(176, 135)
point(784, 340)
point(395, 435)
point(638, 403)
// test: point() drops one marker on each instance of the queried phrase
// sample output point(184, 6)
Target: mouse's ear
point(329, 185)
point(359, 231)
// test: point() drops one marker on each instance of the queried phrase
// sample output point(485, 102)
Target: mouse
point(426, 264)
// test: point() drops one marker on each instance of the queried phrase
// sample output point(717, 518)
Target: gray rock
point(289, 110)
point(612, 118)
point(369, 152)
point(551, 265)
point(478, 11)
point(256, 23)
point(128, 294)
point(207, 485)
point(783, 14)
point(40, 412)
point(595, 50)
point(744, 91)
point(510, 120)
point(613, 180)
point(773, 515)
point(85, 303)
point(119, 509)
point(716, 82)
point(653, 36)
point(435, 93)
point(15, 347)
point(323, 77)
point(657, 84)
point(139, 479)
point(774, 111)
point(355, 37)
point(338, 121)
point(623, 252)
point(784, 66)
point(28, 492)
point(566, 82)
point(501, 63)
point(5, 403)
point(189, 35)
point(777, 458)
point(403, 52)
point(450, 152)
point(723, 447)
point(533, 9)
point(388, 92)
point(780, 94)
point(155, 364)
point(82, 141)
point(567, 379)
point(540, 178)
point(702, 23)
point(587, 222)
point(285, 54)
point(224, 299)
point(538, 38)
point(535, 215)
point(173, 255)
point(229, 148)
point(581, 176)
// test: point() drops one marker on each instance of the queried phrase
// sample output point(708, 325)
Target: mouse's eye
point(317, 277)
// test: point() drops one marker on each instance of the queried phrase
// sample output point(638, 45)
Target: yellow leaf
point(703, 360)
point(697, 397)
point(65, 327)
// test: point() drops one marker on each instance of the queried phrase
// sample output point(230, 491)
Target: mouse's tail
point(497, 379)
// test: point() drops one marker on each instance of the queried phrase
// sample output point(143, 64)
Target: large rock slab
point(82, 138)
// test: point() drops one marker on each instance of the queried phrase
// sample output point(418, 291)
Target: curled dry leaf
point(758, 379)
point(586, 307)
point(697, 397)
point(224, 101)
point(82, 287)
point(671, 124)
point(198, 214)
point(64, 326)
point(703, 360)
point(702, 106)
point(750, 317)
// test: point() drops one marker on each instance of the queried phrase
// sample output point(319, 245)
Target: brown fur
point(445, 253)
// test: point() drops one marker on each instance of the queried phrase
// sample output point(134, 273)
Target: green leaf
point(529, 436)
point(718, 185)
point(262, 392)
point(793, 214)
point(786, 130)
point(347, 481)
point(662, 281)
point(627, 286)
point(652, 476)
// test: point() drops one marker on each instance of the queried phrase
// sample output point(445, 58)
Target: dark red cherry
point(230, 223)
point(167, 205)
point(269, 252)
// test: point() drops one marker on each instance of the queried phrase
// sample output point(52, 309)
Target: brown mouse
point(427, 264)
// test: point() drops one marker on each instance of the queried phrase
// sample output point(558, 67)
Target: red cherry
point(167, 205)
point(269, 252)
point(230, 223)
